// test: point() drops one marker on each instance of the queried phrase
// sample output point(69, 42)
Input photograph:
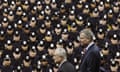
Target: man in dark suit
point(90, 61)
point(61, 58)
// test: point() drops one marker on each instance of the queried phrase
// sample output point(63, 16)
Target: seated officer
point(65, 34)
point(27, 64)
point(32, 37)
point(80, 22)
point(5, 22)
point(10, 30)
point(60, 43)
point(100, 37)
point(41, 31)
point(24, 17)
point(17, 57)
point(70, 52)
point(2, 35)
point(8, 47)
point(48, 39)
point(114, 66)
point(117, 57)
point(17, 69)
point(57, 32)
point(45, 67)
point(114, 44)
point(41, 48)
point(16, 36)
point(6, 64)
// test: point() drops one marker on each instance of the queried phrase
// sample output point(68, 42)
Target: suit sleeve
point(68, 68)
point(93, 62)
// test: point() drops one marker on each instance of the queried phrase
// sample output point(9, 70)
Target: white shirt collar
point(91, 43)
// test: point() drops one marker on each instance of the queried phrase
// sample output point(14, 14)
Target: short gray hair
point(61, 52)
point(88, 34)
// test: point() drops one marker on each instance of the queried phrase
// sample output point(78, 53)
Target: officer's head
point(65, 34)
point(16, 36)
point(48, 36)
point(51, 49)
point(100, 33)
point(63, 20)
point(95, 12)
point(42, 29)
point(2, 35)
point(79, 20)
point(40, 45)
point(105, 49)
point(58, 29)
point(32, 52)
point(6, 60)
point(5, 3)
point(62, 8)
point(44, 60)
point(26, 29)
point(19, 11)
point(32, 37)
point(72, 15)
point(19, 24)
point(116, 7)
point(8, 45)
point(17, 53)
point(59, 43)
point(101, 6)
point(5, 22)
point(115, 25)
point(114, 65)
point(39, 5)
point(33, 22)
point(70, 48)
point(86, 9)
point(114, 39)
point(47, 21)
point(54, 4)
point(27, 61)
point(73, 27)
point(25, 5)
point(76, 42)
point(79, 4)
point(11, 16)
point(24, 17)
point(10, 30)
point(47, 10)
point(24, 45)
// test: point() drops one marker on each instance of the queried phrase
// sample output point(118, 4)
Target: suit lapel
point(89, 49)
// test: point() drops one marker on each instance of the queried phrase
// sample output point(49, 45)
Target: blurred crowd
point(30, 31)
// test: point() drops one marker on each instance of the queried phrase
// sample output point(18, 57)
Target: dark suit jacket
point(66, 67)
point(91, 60)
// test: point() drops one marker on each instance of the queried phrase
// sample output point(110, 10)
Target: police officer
point(27, 64)
point(45, 67)
point(6, 64)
